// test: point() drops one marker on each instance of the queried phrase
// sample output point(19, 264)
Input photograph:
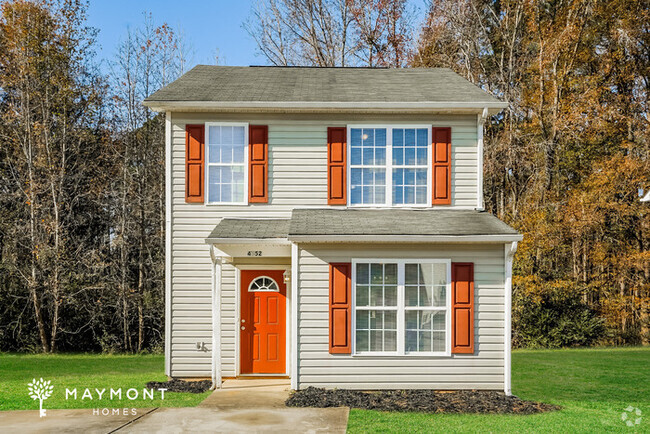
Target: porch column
point(216, 319)
point(295, 296)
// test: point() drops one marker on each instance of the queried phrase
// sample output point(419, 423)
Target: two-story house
point(327, 225)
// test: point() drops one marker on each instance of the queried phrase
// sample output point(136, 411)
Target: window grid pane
point(376, 285)
point(376, 301)
point(368, 166)
point(425, 330)
point(410, 166)
point(425, 285)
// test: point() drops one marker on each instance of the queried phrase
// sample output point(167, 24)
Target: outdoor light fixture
point(287, 276)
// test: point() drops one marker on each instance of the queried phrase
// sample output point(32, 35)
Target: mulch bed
point(175, 385)
point(427, 401)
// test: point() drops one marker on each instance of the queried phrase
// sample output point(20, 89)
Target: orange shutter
point(194, 163)
point(336, 165)
point(441, 148)
point(258, 170)
point(340, 295)
point(462, 308)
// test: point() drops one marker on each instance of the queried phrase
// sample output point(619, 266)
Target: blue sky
point(207, 25)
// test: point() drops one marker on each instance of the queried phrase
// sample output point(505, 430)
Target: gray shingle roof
point(395, 222)
point(364, 222)
point(251, 228)
point(335, 85)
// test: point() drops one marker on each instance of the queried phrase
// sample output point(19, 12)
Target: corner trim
point(216, 320)
point(479, 155)
point(168, 243)
point(509, 252)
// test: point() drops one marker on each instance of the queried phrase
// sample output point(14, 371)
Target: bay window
point(402, 306)
point(389, 166)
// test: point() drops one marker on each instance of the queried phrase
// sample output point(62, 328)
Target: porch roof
point(398, 224)
point(371, 225)
point(258, 229)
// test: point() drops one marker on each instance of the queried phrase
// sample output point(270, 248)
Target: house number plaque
point(254, 253)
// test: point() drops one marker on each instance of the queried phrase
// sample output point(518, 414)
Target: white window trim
point(208, 164)
point(401, 308)
point(389, 166)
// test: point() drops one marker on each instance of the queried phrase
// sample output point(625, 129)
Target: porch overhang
point(273, 237)
point(374, 225)
point(236, 238)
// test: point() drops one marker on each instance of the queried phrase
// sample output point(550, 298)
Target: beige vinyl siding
point(297, 178)
point(482, 370)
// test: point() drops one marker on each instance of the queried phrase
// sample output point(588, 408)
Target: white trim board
point(509, 250)
point(260, 106)
point(295, 277)
point(168, 243)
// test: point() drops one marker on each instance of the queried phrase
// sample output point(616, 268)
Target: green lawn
point(83, 371)
point(593, 386)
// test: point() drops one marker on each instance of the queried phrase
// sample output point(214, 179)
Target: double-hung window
point(226, 163)
point(389, 166)
point(402, 307)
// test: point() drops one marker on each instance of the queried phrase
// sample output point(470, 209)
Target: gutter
point(500, 238)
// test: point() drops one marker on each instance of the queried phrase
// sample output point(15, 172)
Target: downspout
point(216, 319)
point(479, 155)
point(510, 250)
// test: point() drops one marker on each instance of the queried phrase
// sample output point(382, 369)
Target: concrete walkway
point(239, 406)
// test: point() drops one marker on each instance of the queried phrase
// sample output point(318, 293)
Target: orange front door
point(263, 322)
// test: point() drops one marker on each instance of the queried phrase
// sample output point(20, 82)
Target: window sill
point(399, 356)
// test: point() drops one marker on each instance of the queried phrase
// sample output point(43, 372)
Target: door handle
point(243, 328)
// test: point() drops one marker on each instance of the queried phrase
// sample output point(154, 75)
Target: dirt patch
point(181, 385)
point(426, 401)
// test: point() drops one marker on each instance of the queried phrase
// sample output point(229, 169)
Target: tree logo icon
point(631, 416)
point(40, 390)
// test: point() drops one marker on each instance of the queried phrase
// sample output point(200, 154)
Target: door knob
point(243, 328)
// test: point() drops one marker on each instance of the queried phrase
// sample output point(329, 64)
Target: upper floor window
point(389, 166)
point(226, 163)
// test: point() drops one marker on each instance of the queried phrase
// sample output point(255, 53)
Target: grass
point(593, 386)
point(83, 371)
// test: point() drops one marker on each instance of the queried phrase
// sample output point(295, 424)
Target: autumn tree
point(50, 125)
point(575, 74)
